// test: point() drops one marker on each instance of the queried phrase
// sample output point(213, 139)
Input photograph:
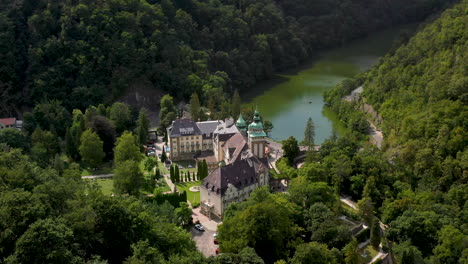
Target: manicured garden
point(193, 197)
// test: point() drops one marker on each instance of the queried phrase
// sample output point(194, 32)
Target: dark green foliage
point(120, 116)
point(106, 132)
point(51, 232)
point(171, 174)
point(87, 53)
point(291, 149)
point(14, 138)
point(173, 198)
point(263, 222)
point(91, 149)
point(195, 107)
point(314, 253)
point(168, 112)
point(309, 133)
point(245, 256)
point(128, 177)
point(363, 235)
point(176, 174)
point(142, 126)
point(375, 234)
point(126, 149)
point(44, 146)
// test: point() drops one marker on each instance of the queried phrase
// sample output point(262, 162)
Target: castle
point(236, 152)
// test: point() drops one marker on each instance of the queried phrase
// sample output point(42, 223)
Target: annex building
point(237, 151)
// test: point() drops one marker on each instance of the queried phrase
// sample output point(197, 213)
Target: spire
point(256, 115)
point(240, 123)
point(256, 127)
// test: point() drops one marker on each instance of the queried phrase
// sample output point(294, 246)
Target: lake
point(291, 98)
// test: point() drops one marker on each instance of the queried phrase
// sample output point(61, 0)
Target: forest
point(67, 61)
point(85, 52)
point(420, 92)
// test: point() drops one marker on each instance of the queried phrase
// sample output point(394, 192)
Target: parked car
point(217, 251)
point(199, 227)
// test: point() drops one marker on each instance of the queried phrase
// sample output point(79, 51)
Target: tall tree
point(73, 134)
point(313, 253)
point(106, 132)
point(236, 104)
point(52, 232)
point(291, 149)
point(171, 174)
point(126, 149)
point(120, 115)
point(375, 233)
point(351, 252)
point(52, 116)
point(195, 107)
point(183, 214)
point(142, 126)
point(168, 112)
point(14, 138)
point(176, 174)
point(205, 169)
point(44, 146)
point(91, 148)
point(267, 126)
point(128, 177)
point(309, 133)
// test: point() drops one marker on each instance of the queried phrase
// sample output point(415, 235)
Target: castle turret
point(241, 125)
point(256, 136)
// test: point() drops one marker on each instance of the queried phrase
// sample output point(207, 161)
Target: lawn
point(105, 168)
point(162, 168)
point(369, 252)
point(193, 197)
point(107, 186)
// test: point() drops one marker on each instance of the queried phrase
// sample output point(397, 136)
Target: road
point(102, 176)
point(204, 240)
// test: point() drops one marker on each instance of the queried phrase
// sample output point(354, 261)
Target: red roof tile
point(8, 121)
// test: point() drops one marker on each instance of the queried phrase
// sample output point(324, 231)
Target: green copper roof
point(256, 115)
point(240, 123)
point(257, 134)
point(256, 126)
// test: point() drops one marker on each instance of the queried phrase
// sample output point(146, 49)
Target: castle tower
point(256, 136)
point(241, 125)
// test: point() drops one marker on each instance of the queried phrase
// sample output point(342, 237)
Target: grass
point(370, 253)
point(193, 197)
point(162, 168)
point(162, 186)
point(107, 186)
point(105, 168)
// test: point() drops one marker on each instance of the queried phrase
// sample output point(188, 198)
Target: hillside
point(418, 184)
point(421, 93)
point(89, 52)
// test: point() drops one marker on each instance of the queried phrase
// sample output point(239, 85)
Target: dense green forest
point(89, 52)
point(62, 57)
point(420, 180)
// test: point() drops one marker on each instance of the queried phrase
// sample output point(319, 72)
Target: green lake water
point(291, 98)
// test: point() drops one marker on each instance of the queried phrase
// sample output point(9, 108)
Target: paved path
point(349, 202)
point(102, 176)
point(169, 182)
point(204, 240)
point(276, 152)
point(376, 134)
